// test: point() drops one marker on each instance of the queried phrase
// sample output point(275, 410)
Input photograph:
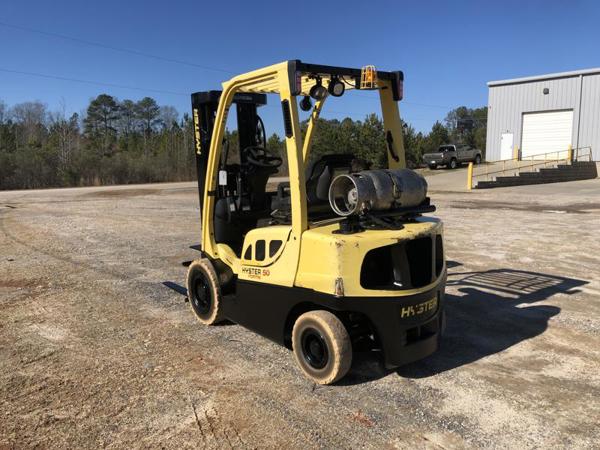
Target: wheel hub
point(314, 349)
point(201, 298)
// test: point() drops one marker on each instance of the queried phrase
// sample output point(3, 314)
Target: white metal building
point(543, 114)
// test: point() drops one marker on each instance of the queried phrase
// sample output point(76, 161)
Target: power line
point(114, 48)
point(153, 56)
point(121, 86)
point(351, 114)
point(98, 83)
point(364, 95)
point(162, 58)
point(426, 105)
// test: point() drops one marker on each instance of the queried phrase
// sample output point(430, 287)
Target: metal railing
point(529, 163)
point(587, 152)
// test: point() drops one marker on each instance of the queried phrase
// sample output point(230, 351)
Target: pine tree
point(100, 121)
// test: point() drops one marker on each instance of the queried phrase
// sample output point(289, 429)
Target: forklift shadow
point(181, 290)
point(493, 311)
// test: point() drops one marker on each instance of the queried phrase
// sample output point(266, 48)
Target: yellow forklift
point(340, 255)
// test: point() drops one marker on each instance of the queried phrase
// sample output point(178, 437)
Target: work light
point(336, 87)
point(305, 103)
point(318, 91)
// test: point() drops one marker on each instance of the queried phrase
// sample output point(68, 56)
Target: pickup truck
point(451, 155)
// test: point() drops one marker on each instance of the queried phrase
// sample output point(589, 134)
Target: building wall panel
point(507, 103)
point(589, 128)
point(578, 91)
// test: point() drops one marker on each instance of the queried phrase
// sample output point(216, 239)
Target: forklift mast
point(204, 108)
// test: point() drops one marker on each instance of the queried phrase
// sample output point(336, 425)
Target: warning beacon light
point(368, 77)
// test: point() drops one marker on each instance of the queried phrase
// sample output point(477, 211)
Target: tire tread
point(338, 336)
point(206, 266)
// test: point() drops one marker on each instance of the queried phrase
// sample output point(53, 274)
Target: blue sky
point(447, 50)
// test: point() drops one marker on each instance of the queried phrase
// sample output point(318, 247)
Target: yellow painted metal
point(278, 269)
point(326, 257)
point(308, 82)
point(274, 79)
point(516, 152)
point(227, 255)
point(272, 86)
point(295, 165)
point(310, 130)
point(570, 153)
point(470, 176)
point(270, 234)
point(257, 80)
point(392, 123)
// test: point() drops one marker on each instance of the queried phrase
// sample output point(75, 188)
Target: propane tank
point(376, 190)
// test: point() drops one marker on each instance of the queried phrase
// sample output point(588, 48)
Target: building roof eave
point(550, 76)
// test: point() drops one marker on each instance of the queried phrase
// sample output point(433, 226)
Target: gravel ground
point(98, 349)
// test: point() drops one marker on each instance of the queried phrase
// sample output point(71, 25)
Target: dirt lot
point(97, 350)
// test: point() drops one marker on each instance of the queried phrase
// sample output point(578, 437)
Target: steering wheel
point(260, 157)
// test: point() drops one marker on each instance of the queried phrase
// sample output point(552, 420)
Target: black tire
point(478, 159)
point(204, 291)
point(453, 164)
point(322, 346)
point(432, 166)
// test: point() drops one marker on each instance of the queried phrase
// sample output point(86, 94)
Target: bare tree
point(2, 118)
point(32, 118)
point(128, 117)
point(67, 132)
point(2, 112)
point(168, 117)
point(29, 113)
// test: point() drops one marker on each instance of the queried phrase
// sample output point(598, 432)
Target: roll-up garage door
point(546, 132)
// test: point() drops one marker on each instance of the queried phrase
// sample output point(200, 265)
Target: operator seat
point(319, 175)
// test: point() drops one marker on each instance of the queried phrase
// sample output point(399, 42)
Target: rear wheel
point(204, 291)
point(322, 346)
point(453, 164)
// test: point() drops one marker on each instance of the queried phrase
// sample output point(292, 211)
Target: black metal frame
point(397, 77)
point(204, 109)
point(271, 310)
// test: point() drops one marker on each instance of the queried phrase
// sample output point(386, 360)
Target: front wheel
point(204, 291)
point(478, 159)
point(453, 164)
point(322, 346)
point(432, 166)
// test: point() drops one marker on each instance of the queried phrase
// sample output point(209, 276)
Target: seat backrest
point(320, 173)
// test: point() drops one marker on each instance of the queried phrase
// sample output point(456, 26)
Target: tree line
point(116, 142)
point(125, 141)
point(366, 138)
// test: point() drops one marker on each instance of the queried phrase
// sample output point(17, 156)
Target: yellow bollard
point(570, 153)
point(470, 176)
